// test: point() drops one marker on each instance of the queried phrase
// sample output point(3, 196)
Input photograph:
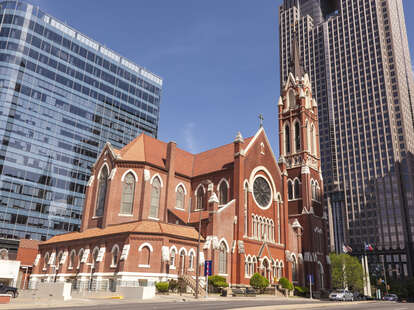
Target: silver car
point(342, 295)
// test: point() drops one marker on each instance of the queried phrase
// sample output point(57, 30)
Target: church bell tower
point(299, 139)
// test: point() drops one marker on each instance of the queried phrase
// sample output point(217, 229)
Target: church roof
point(145, 148)
point(145, 227)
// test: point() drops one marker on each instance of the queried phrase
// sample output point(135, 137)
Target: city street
point(241, 304)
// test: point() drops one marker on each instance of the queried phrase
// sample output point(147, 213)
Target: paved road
point(238, 304)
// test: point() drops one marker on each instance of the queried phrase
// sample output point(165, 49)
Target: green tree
point(346, 271)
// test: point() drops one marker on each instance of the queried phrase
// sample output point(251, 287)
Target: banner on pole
point(207, 268)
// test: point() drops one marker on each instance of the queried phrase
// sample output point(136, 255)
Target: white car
point(342, 295)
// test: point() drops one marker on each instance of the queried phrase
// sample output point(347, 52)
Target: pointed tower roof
point(295, 66)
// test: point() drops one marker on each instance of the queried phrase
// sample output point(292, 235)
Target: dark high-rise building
point(62, 96)
point(356, 53)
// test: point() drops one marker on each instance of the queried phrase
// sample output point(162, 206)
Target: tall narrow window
point(95, 257)
point(297, 189)
point(290, 189)
point(278, 222)
point(312, 139)
point(102, 186)
point(246, 218)
point(292, 99)
point(72, 259)
point(191, 260)
point(80, 255)
point(297, 137)
point(287, 139)
point(128, 189)
point(144, 256)
point(155, 197)
point(294, 271)
point(115, 254)
point(223, 258)
point(200, 198)
point(172, 258)
point(223, 193)
point(179, 203)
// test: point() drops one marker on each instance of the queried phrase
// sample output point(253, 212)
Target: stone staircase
point(192, 284)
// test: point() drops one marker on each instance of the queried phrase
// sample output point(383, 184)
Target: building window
point(278, 222)
point(290, 190)
point(246, 218)
point(80, 255)
point(115, 254)
point(200, 198)
point(179, 199)
point(297, 189)
point(223, 193)
point(128, 189)
point(297, 137)
point(102, 186)
point(144, 256)
point(223, 258)
point(95, 257)
point(46, 260)
point(294, 271)
point(155, 197)
point(172, 257)
point(287, 139)
point(191, 260)
point(292, 99)
point(72, 259)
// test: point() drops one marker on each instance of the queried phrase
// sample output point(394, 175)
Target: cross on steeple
point(261, 120)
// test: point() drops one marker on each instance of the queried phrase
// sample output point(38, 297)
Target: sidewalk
point(30, 302)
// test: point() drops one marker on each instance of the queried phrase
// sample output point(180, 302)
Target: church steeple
point(295, 66)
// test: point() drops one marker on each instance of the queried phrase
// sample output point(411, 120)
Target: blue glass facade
point(62, 96)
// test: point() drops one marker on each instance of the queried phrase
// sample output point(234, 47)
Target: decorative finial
point(261, 120)
point(239, 138)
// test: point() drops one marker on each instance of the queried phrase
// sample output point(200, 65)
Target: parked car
point(390, 297)
point(342, 295)
point(4, 289)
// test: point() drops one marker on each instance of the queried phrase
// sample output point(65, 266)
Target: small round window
point(262, 192)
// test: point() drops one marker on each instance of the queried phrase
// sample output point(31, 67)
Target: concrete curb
point(307, 306)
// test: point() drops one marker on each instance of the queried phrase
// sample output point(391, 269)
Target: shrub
point(258, 281)
point(285, 283)
point(217, 281)
point(301, 290)
point(173, 285)
point(162, 287)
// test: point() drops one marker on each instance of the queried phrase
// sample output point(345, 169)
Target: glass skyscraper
point(356, 53)
point(62, 97)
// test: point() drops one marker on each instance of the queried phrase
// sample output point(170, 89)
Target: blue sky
point(219, 60)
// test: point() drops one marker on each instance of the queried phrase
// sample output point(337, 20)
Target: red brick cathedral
point(145, 204)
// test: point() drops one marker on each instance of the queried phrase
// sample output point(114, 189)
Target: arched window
point(297, 189)
point(191, 260)
point(223, 193)
point(115, 255)
point(287, 139)
point(200, 198)
point(321, 276)
point(80, 255)
point(278, 222)
point(246, 218)
point(280, 270)
point(294, 270)
point(254, 264)
point(259, 228)
point(290, 189)
point(292, 99)
point(179, 199)
point(144, 256)
point(297, 137)
point(246, 266)
point(59, 258)
point(223, 258)
point(95, 257)
point(102, 187)
point(254, 226)
point(128, 189)
point(155, 197)
point(313, 187)
point(318, 192)
point(72, 258)
point(312, 139)
point(46, 260)
point(273, 231)
point(172, 257)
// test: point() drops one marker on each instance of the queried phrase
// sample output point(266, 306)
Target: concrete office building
point(62, 97)
point(356, 53)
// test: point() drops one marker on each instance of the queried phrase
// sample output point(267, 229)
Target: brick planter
point(5, 298)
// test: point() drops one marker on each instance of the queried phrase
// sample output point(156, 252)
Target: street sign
point(207, 268)
point(310, 279)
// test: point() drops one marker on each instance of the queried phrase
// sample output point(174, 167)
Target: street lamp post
point(90, 280)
